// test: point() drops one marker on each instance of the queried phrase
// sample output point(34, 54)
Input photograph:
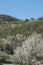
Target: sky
point(22, 9)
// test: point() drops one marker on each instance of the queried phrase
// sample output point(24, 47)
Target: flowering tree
point(31, 48)
point(20, 55)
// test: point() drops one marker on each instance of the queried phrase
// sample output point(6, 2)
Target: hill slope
point(11, 26)
point(14, 31)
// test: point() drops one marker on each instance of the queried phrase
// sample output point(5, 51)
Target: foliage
point(16, 34)
point(1, 64)
point(31, 48)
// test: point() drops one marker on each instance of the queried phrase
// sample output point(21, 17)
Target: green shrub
point(1, 64)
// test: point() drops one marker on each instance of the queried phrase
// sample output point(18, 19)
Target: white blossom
point(32, 46)
point(13, 26)
point(20, 37)
point(19, 25)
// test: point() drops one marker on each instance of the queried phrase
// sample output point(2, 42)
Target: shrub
point(1, 64)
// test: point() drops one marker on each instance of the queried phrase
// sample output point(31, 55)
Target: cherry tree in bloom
point(20, 55)
point(32, 48)
point(33, 43)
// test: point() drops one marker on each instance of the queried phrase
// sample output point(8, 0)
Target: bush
point(1, 64)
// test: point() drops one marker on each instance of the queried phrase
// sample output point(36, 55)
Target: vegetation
point(21, 41)
point(1, 64)
point(31, 50)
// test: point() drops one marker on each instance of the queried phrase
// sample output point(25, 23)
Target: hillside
point(14, 31)
point(7, 18)
point(11, 26)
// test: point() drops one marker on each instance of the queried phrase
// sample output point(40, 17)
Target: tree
point(20, 55)
point(26, 20)
point(31, 48)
